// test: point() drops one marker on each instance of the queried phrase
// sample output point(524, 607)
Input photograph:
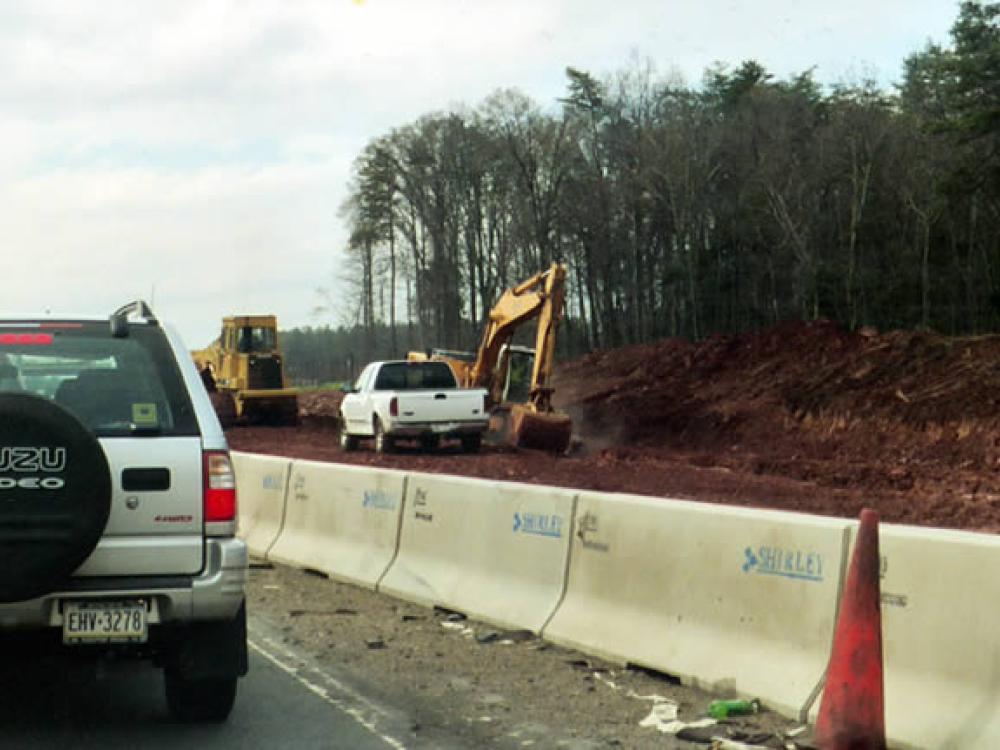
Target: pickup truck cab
point(412, 400)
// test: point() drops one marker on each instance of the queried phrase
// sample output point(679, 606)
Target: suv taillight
point(219, 487)
point(393, 407)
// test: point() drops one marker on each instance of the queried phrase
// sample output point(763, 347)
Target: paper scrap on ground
point(460, 628)
point(663, 717)
point(662, 714)
point(721, 743)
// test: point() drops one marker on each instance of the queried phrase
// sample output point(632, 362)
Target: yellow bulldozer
point(518, 377)
point(244, 373)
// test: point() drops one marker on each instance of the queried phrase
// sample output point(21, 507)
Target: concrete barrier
point(726, 598)
point(341, 520)
point(260, 483)
point(729, 599)
point(940, 609)
point(493, 550)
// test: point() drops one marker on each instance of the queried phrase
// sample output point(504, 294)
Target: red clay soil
point(804, 417)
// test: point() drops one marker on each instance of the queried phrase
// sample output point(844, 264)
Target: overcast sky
point(196, 152)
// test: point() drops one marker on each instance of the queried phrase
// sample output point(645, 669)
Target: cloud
point(203, 147)
point(249, 239)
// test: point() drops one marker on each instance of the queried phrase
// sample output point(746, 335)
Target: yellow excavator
point(501, 368)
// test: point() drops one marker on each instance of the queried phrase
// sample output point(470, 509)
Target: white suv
point(118, 502)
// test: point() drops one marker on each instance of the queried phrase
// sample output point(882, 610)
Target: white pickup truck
point(415, 400)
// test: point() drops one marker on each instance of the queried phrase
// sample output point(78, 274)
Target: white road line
point(356, 705)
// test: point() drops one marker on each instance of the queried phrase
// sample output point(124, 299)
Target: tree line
point(687, 211)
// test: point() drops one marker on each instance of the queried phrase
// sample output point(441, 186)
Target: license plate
point(104, 622)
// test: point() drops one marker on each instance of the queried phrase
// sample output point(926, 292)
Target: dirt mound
point(910, 412)
point(916, 378)
point(320, 408)
point(721, 388)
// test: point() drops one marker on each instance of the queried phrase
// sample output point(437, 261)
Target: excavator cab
point(520, 361)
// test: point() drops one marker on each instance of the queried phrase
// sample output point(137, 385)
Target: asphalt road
point(49, 702)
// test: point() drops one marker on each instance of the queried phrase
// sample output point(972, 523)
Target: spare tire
point(55, 495)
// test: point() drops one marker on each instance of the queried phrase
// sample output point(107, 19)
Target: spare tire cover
point(55, 495)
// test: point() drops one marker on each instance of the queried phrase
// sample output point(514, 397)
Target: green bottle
point(725, 709)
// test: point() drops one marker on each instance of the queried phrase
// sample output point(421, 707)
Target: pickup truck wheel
point(471, 443)
point(348, 442)
point(383, 443)
point(55, 495)
point(430, 442)
point(199, 700)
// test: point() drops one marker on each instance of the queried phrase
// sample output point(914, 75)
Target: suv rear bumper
point(214, 594)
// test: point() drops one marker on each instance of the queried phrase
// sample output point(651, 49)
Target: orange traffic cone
point(852, 713)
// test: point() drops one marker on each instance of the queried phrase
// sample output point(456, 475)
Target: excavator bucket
point(544, 430)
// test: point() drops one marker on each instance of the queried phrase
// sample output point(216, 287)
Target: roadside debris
point(723, 709)
point(339, 611)
point(663, 718)
point(459, 628)
point(449, 615)
point(703, 733)
point(720, 743)
point(374, 644)
point(516, 636)
point(663, 714)
point(588, 665)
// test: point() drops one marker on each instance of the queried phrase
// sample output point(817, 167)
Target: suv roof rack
point(137, 309)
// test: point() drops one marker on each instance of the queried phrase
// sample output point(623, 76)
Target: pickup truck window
point(404, 376)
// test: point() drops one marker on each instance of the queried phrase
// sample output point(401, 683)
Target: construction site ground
point(466, 684)
point(803, 417)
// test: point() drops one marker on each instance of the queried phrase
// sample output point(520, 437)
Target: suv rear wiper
point(117, 428)
point(144, 429)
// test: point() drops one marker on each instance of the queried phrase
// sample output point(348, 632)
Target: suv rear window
point(115, 386)
point(404, 376)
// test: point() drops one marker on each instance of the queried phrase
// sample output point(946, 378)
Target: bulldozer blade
point(276, 412)
point(547, 431)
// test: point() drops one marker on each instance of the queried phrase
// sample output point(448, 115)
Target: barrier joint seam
point(566, 565)
point(399, 534)
point(284, 508)
point(845, 549)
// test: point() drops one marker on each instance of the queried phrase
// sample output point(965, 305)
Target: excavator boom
point(535, 423)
